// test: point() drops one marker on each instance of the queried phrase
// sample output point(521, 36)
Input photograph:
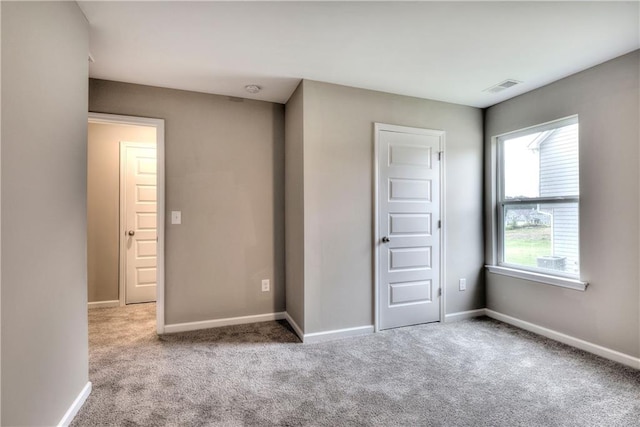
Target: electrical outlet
point(462, 284)
point(265, 285)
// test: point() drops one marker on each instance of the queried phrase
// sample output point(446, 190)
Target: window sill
point(563, 282)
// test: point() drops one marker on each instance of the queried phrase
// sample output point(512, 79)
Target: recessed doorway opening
point(125, 209)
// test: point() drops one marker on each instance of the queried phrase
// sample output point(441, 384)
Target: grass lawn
point(524, 245)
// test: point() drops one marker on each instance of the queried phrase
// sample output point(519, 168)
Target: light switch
point(176, 217)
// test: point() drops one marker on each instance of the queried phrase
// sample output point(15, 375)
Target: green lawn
point(523, 245)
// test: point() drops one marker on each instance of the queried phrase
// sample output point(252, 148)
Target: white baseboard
point(596, 349)
point(327, 335)
point(336, 334)
point(462, 315)
point(104, 304)
point(295, 326)
point(75, 406)
point(216, 323)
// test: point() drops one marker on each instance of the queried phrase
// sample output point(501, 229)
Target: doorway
point(408, 236)
point(125, 204)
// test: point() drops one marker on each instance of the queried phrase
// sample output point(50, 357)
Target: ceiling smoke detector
point(502, 86)
point(252, 88)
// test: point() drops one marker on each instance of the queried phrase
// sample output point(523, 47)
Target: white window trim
point(531, 274)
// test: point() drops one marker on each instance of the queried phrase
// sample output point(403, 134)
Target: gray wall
point(294, 206)
point(225, 172)
point(606, 99)
point(103, 204)
point(44, 270)
point(338, 199)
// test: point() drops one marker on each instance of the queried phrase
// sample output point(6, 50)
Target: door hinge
point(440, 155)
point(439, 224)
point(439, 292)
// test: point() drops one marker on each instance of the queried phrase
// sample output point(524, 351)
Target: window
point(538, 198)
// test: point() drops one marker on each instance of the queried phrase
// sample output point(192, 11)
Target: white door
point(138, 199)
point(408, 225)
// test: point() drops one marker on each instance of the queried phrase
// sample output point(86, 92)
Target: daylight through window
point(539, 199)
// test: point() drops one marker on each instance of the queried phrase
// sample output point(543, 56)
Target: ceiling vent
point(502, 86)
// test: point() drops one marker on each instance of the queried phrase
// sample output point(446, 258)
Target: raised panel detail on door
point(410, 189)
point(408, 214)
point(414, 224)
point(147, 167)
point(146, 221)
point(405, 258)
point(146, 276)
point(145, 248)
point(139, 216)
point(410, 155)
point(410, 292)
point(146, 194)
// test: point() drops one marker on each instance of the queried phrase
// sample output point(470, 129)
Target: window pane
point(542, 236)
point(542, 164)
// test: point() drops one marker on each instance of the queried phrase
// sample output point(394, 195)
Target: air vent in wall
point(502, 86)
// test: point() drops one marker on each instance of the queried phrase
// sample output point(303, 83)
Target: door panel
point(146, 221)
point(404, 155)
point(409, 189)
point(139, 174)
point(410, 292)
point(410, 258)
point(145, 249)
point(409, 224)
point(408, 216)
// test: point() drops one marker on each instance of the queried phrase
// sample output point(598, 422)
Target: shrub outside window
point(538, 199)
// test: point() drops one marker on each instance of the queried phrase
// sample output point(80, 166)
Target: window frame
point(545, 276)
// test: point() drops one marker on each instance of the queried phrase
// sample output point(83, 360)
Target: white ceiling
point(448, 51)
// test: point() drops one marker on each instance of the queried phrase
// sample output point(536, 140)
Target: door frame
point(158, 124)
point(378, 127)
point(122, 241)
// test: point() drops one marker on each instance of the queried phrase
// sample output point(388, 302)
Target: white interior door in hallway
point(138, 221)
point(408, 225)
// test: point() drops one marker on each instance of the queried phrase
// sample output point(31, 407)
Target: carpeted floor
point(472, 373)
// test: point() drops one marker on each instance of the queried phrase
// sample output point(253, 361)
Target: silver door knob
point(385, 239)
point(131, 233)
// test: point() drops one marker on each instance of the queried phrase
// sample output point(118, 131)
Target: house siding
point(559, 163)
point(559, 176)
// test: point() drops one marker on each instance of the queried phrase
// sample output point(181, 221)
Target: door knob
point(131, 233)
point(385, 239)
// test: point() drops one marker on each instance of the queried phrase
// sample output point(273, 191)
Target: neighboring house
point(559, 177)
point(527, 217)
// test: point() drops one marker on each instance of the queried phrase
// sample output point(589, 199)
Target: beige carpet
point(471, 373)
